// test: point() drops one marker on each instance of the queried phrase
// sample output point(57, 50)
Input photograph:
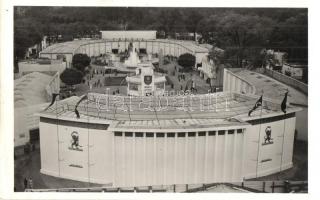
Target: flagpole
point(284, 131)
point(259, 136)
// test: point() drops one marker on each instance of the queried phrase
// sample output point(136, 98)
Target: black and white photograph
point(142, 99)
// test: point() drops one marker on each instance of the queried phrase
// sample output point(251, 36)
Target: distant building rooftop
point(31, 89)
point(70, 47)
point(270, 87)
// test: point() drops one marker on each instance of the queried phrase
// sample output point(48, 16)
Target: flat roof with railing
point(183, 112)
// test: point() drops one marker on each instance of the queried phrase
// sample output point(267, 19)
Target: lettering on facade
point(267, 137)
point(75, 142)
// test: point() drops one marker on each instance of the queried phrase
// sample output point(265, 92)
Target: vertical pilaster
point(145, 158)
point(234, 156)
point(113, 160)
point(175, 157)
point(124, 167)
point(244, 145)
point(186, 158)
point(225, 158)
point(196, 159)
point(205, 179)
point(165, 160)
point(134, 159)
point(154, 158)
point(216, 156)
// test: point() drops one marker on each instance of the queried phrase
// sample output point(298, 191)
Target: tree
point(243, 36)
point(80, 61)
point(192, 21)
point(187, 61)
point(71, 76)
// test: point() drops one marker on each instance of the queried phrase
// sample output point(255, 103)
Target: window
point(191, 134)
point(202, 133)
point(181, 134)
point(230, 131)
point(139, 134)
point(170, 134)
point(128, 134)
point(160, 134)
point(211, 133)
point(239, 130)
point(118, 133)
point(149, 134)
point(221, 132)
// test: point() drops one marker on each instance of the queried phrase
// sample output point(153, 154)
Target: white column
point(186, 158)
point(196, 159)
point(225, 155)
point(165, 159)
point(234, 157)
point(154, 159)
point(244, 139)
point(134, 159)
point(175, 157)
point(206, 159)
point(113, 159)
point(215, 157)
point(124, 159)
point(145, 158)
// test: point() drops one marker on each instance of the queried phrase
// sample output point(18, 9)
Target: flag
point(54, 96)
point(284, 103)
point(258, 103)
point(75, 109)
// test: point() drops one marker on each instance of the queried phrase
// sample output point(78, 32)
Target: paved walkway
point(201, 86)
point(28, 166)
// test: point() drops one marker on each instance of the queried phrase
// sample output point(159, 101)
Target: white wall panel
point(49, 148)
point(73, 163)
point(100, 159)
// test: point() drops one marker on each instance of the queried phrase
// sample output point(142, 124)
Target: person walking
point(30, 183)
point(25, 183)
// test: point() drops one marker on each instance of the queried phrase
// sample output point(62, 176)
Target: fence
point(249, 186)
point(285, 79)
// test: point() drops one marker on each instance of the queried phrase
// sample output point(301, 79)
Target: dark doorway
point(34, 135)
point(115, 51)
point(143, 50)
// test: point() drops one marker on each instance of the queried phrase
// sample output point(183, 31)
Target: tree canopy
point(187, 61)
point(80, 61)
point(242, 32)
point(71, 76)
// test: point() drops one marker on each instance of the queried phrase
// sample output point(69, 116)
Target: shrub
point(80, 61)
point(187, 61)
point(71, 76)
